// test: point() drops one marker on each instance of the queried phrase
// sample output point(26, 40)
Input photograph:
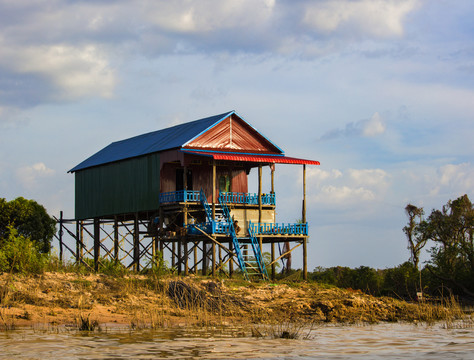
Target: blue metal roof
point(165, 139)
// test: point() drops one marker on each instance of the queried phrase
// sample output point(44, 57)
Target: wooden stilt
point(260, 203)
point(78, 242)
point(231, 263)
point(273, 261)
point(173, 254)
point(81, 238)
point(186, 258)
point(116, 240)
point(136, 244)
point(96, 243)
point(213, 259)
point(204, 258)
point(161, 222)
point(195, 250)
point(305, 250)
point(61, 236)
point(220, 256)
point(180, 255)
point(185, 243)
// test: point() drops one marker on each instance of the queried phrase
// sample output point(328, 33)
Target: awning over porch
point(255, 158)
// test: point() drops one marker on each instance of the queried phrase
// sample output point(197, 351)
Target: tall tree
point(452, 257)
point(30, 219)
point(414, 231)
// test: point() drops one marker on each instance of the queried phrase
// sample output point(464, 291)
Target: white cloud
point(454, 178)
point(208, 15)
point(319, 175)
point(29, 176)
point(366, 128)
point(379, 18)
point(76, 71)
point(348, 188)
point(369, 177)
point(374, 126)
point(345, 194)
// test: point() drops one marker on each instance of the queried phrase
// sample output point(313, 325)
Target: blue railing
point(213, 227)
point(223, 227)
point(180, 196)
point(246, 198)
point(225, 197)
point(278, 229)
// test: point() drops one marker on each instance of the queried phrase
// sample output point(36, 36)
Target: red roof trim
point(253, 158)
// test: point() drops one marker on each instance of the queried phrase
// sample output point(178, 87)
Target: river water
point(390, 341)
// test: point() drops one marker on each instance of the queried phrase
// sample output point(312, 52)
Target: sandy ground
point(70, 299)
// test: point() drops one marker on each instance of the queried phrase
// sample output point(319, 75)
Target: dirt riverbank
point(67, 299)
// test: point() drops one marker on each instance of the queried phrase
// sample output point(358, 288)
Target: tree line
point(449, 270)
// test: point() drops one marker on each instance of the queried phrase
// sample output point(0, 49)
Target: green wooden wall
point(122, 187)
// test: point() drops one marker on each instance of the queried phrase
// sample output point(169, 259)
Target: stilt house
point(185, 189)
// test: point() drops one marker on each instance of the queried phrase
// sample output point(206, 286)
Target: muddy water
point(390, 341)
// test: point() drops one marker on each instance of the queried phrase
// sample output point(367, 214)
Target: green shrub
point(19, 254)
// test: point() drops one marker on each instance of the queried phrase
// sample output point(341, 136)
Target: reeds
point(84, 323)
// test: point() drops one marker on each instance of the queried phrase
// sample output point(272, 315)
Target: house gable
point(233, 134)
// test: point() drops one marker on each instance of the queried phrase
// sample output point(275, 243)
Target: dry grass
point(149, 302)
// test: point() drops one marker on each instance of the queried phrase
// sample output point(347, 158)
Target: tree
point(452, 257)
point(415, 232)
point(30, 220)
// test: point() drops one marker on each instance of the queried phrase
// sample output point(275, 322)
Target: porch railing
point(246, 198)
point(224, 197)
point(213, 227)
point(279, 229)
point(222, 227)
point(180, 196)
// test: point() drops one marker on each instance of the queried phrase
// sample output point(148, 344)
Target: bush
point(403, 281)
point(29, 219)
point(19, 254)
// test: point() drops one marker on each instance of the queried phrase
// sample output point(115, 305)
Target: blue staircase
point(251, 265)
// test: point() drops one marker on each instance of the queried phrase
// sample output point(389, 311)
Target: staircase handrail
point(257, 251)
point(206, 206)
point(235, 240)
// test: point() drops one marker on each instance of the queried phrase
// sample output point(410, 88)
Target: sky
point(380, 92)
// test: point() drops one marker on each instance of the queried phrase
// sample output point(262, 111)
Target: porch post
point(260, 203)
point(272, 167)
point(213, 191)
point(305, 240)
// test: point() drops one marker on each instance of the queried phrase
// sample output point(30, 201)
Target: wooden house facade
point(188, 185)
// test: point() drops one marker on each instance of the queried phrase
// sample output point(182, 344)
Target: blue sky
point(380, 92)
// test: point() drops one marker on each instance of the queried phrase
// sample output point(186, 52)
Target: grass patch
point(84, 323)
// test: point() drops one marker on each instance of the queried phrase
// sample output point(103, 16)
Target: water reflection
point(392, 341)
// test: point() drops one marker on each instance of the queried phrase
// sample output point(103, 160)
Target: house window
point(224, 183)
